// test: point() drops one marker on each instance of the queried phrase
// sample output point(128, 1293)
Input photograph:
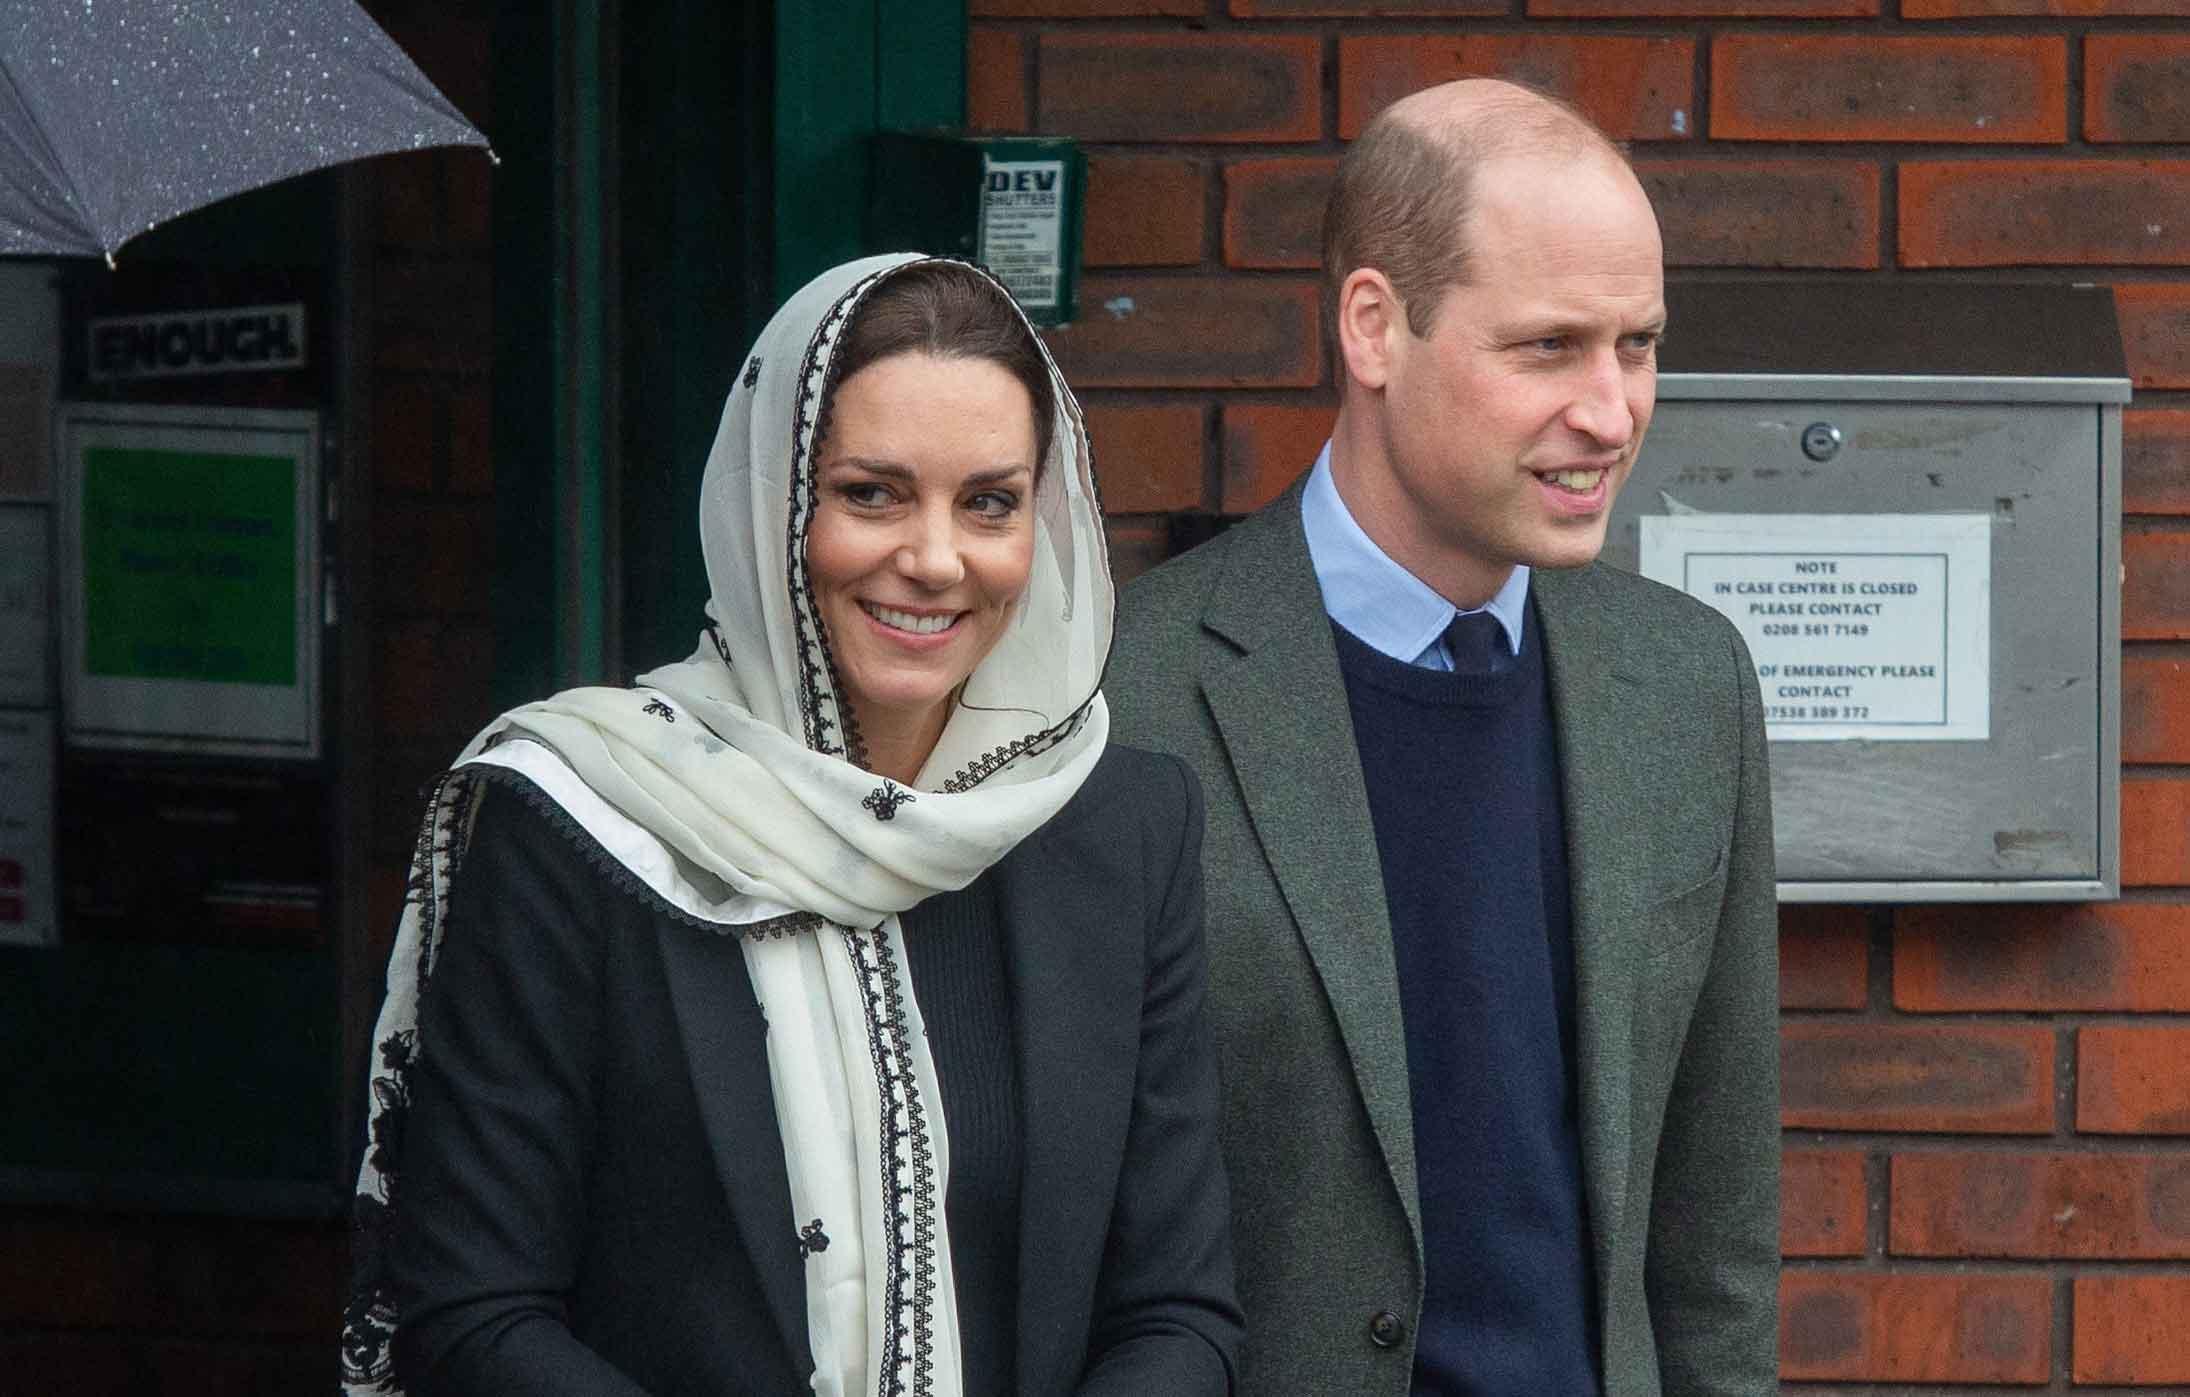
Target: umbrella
point(116, 115)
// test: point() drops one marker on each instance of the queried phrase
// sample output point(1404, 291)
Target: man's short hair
point(1404, 189)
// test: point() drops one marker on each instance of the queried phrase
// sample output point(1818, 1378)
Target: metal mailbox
point(1908, 497)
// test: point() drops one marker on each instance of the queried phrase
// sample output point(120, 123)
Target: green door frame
point(597, 566)
point(910, 55)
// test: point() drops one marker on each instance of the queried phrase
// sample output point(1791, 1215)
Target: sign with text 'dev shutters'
point(238, 339)
point(1011, 203)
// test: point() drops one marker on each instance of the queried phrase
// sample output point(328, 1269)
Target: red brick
point(1144, 211)
point(1266, 447)
point(1856, 1326)
point(2038, 1206)
point(1988, 1080)
point(1289, 9)
point(433, 316)
point(2156, 461)
point(406, 426)
point(429, 681)
point(1182, 87)
point(2128, 1330)
point(2156, 586)
point(407, 199)
point(436, 550)
point(1136, 545)
point(1148, 458)
point(2137, 87)
point(467, 187)
point(225, 1276)
point(471, 439)
point(2155, 711)
point(1703, 9)
point(2077, 9)
point(454, 51)
point(2131, 957)
point(2132, 1080)
point(1823, 1204)
point(1765, 213)
point(97, 1365)
point(1824, 957)
point(2155, 320)
point(2004, 213)
point(1636, 89)
point(2155, 832)
point(996, 79)
point(1784, 87)
point(1082, 9)
point(1192, 332)
point(1273, 212)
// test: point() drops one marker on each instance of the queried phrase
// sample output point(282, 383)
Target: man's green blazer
point(1225, 657)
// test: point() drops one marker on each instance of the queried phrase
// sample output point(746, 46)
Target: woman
point(825, 1010)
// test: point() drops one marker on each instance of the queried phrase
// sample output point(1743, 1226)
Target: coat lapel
point(1604, 707)
point(1280, 708)
point(1077, 1049)
point(726, 1049)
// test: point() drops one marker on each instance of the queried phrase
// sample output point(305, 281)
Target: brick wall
point(1987, 1180)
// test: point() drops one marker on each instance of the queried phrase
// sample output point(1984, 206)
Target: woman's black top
point(956, 945)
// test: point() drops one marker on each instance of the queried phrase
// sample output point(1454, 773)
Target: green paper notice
point(190, 566)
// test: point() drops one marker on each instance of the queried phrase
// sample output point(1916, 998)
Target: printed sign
point(1022, 228)
point(1871, 626)
point(242, 339)
point(26, 607)
point(26, 829)
point(191, 579)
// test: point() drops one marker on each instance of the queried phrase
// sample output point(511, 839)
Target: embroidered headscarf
point(725, 784)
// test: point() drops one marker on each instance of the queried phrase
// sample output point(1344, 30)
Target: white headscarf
point(722, 782)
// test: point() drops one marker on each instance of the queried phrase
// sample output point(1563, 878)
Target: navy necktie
point(1477, 645)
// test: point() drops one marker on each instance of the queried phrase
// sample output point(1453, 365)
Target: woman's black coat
point(593, 1195)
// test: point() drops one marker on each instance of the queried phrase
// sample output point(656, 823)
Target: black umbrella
point(116, 115)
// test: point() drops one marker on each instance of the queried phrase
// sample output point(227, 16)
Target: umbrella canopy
point(116, 115)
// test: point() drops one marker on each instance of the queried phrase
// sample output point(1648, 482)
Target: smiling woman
point(860, 1047)
point(922, 540)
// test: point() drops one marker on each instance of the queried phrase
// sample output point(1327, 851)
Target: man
point(1489, 853)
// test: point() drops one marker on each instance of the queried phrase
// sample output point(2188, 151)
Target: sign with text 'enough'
point(1872, 627)
point(190, 579)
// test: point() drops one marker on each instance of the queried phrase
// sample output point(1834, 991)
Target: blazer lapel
point(1071, 1042)
point(1280, 708)
point(1603, 706)
point(726, 1049)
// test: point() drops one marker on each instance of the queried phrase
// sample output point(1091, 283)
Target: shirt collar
point(1385, 605)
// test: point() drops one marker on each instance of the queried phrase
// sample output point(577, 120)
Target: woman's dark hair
point(952, 311)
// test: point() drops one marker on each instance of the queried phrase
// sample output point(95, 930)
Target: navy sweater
point(1462, 774)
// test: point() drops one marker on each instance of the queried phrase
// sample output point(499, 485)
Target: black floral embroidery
point(660, 710)
point(752, 371)
point(908, 1179)
point(884, 799)
point(812, 1240)
point(722, 647)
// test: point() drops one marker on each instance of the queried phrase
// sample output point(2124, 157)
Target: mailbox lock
point(1821, 441)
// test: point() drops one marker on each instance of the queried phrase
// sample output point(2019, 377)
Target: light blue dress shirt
point(1385, 605)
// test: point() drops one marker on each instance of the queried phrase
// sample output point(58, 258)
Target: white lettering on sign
point(244, 339)
point(1871, 626)
point(1022, 228)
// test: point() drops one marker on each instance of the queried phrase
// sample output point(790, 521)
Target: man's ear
point(1371, 321)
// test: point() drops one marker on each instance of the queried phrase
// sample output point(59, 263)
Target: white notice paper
point(1871, 626)
point(1022, 228)
point(26, 829)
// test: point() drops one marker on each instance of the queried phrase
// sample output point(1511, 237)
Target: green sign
point(190, 566)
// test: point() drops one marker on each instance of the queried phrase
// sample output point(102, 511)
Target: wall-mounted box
point(1011, 203)
point(1908, 497)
